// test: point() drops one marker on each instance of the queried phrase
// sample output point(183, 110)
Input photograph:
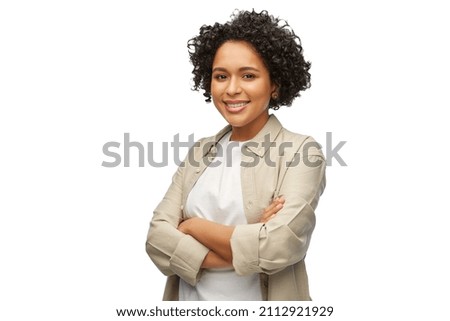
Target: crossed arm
point(216, 237)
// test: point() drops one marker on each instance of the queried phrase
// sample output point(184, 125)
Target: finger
point(277, 208)
point(271, 205)
point(274, 203)
point(268, 213)
point(269, 209)
point(273, 208)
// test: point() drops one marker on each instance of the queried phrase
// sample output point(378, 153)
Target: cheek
point(215, 89)
point(215, 96)
point(259, 90)
point(262, 97)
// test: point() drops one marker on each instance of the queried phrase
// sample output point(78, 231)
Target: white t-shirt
point(217, 196)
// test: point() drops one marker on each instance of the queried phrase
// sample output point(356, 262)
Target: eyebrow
point(240, 69)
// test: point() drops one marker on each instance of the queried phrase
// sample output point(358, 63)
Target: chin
point(235, 122)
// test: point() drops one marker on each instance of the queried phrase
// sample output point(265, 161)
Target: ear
point(274, 91)
point(273, 87)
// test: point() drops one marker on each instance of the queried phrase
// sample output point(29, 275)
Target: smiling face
point(241, 88)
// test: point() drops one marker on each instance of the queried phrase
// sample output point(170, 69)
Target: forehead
point(237, 53)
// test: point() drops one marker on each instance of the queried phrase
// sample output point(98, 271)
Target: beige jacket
point(275, 162)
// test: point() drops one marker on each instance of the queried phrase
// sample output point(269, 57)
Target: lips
point(235, 106)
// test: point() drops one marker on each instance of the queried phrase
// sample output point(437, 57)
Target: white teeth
point(237, 105)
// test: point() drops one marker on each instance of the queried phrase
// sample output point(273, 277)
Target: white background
point(77, 74)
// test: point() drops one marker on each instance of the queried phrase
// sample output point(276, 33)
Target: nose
point(234, 86)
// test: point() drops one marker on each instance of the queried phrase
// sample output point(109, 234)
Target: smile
point(237, 105)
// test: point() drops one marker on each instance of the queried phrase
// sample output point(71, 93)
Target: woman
point(236, 222)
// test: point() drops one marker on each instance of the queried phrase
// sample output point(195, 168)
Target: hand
point(271, 210)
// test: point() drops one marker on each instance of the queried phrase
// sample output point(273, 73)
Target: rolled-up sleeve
point(284, 240)
point(172, 251)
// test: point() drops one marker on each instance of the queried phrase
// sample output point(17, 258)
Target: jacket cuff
point(187, 259)
point(245, 248)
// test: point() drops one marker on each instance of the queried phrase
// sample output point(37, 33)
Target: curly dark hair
point(277, 44)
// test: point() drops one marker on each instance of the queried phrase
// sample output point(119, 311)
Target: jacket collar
point(267, 134)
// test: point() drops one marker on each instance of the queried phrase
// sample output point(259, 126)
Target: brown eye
point(220, 77)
